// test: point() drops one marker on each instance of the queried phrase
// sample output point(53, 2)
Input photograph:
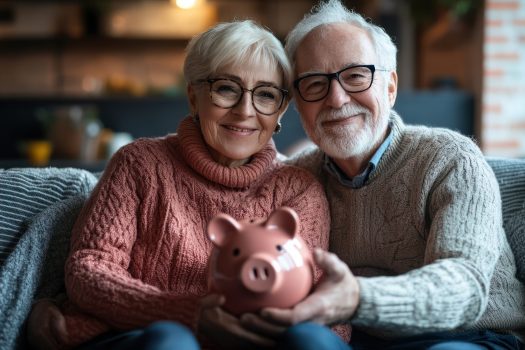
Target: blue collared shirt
point(359, 180)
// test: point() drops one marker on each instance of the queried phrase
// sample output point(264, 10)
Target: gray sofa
point(38, 208)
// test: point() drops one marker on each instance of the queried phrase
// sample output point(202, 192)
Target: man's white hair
point(333, 11)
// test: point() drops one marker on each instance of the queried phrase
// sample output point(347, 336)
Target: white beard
point(348, 141)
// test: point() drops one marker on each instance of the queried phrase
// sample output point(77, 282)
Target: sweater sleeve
point(97, 277)
point(464, 242)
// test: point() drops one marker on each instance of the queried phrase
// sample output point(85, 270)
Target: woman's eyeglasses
point(227, 93)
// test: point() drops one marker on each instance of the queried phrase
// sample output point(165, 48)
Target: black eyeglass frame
point(243, 89)
point(335, 76)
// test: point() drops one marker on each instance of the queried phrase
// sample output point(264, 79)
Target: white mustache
point(344, 112)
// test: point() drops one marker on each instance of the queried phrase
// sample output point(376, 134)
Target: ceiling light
point(185, 4)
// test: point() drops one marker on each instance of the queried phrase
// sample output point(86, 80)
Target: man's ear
point(392, 88)
point(192, 98)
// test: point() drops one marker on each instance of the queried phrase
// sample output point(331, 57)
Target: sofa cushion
point(35, 267)
point(510, 174)
point(25, 192)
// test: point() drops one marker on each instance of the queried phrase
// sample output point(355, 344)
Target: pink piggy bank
point(256, 265)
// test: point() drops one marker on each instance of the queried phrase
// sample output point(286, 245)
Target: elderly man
point(422, 260)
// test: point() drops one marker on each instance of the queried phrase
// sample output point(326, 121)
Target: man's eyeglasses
point(227, 93)
point(315, 87)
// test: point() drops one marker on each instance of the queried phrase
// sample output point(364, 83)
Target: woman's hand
point(226, 330)
point(46, 325)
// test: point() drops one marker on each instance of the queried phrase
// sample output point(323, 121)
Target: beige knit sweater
point(425, 237)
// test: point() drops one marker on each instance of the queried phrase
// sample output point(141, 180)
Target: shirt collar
point(360, 180)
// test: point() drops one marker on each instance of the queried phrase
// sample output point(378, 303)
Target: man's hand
point(334, 300)
point(226, 330)
point(46, 325)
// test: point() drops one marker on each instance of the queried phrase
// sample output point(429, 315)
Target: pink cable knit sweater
point(139, 248)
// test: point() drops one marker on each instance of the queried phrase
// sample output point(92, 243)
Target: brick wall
point(503, 97)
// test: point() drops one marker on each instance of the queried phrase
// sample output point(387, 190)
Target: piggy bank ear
point(221, 227)
point(284, 218)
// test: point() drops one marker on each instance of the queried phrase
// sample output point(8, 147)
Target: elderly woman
point(139, 249)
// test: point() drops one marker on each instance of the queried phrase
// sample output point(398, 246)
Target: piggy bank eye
point(236, 251)
point(279, 247)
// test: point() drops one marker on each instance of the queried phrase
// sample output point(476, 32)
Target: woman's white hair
point(333, 11)
point(234, 43)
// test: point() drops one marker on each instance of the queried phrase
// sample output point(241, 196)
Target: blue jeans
point(468, 340)
point(310, 336)
point(162, 335)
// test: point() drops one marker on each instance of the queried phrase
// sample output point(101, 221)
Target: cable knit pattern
point(425, 236)
point(139, 247)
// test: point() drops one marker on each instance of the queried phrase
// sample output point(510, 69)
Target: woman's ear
point(284, 107)
point(192, 98)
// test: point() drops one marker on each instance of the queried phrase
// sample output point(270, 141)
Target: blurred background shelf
point(152, 116)
point(35, 42)
point(125, 58)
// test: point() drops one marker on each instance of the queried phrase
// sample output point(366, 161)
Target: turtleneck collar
point(196, 154)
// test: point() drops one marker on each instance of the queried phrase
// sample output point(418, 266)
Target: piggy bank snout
point(260, 273)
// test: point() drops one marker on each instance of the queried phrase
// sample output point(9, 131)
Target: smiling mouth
point(238, 129)
point(339, 121)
